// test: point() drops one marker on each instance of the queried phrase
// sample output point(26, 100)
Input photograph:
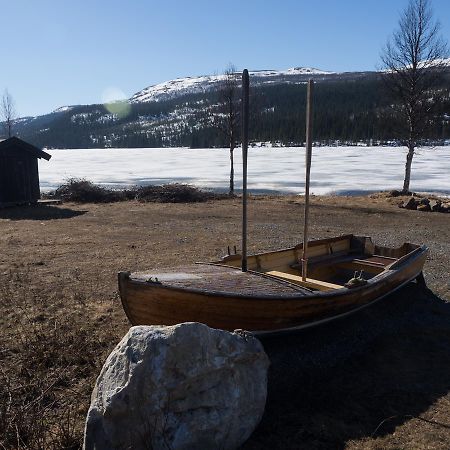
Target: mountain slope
point(349, 107)
point(206, 83)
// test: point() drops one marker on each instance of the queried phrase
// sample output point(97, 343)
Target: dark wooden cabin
point(19, 176)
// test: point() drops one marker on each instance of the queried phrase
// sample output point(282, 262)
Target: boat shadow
point(357, 377)
point(38, 212)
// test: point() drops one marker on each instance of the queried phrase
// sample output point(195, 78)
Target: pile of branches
point(84, 191)
point(175, 193)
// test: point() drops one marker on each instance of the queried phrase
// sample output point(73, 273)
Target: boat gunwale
point(313, 243)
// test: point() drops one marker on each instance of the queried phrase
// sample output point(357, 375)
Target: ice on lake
point(335, 170)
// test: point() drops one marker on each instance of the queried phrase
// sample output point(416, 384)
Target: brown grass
point(60, 316)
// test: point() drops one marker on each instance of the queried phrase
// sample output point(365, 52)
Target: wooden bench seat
point(309, 283)
point(326, 260)
point(369, 263)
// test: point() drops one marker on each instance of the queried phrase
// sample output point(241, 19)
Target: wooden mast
point(309, 101)
point(245, 111)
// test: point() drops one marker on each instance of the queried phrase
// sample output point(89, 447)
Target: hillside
point(349, 107)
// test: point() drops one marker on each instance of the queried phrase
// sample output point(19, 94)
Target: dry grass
point(60, 316)
point(48, 358)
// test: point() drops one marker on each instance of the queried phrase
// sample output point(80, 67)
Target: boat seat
point(325, 260)
point(372, 264)
point(309, 282)
point(369, 263)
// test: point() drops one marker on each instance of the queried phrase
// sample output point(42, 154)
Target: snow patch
point(205, 83)
point(340, 170)
point(63, 109)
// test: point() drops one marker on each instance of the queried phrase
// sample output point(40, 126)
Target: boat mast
point(309, 100)
point(245, 95)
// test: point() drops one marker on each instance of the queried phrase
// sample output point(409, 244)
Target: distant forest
point(345, 111)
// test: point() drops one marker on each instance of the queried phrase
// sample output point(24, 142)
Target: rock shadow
point(357, 377)
point(38, 212)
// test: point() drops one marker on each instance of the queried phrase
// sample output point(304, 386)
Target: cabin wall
point(19, 177)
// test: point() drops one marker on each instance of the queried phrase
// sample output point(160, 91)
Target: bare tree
point(7, 112)
point(413, 60)
point(227, 119)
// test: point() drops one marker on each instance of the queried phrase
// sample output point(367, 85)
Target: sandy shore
point(329, 388)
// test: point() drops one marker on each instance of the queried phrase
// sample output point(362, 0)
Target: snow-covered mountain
point(169, 90)
point(205, 83)
point(179, 113)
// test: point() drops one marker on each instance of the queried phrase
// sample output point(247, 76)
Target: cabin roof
point(15, 142)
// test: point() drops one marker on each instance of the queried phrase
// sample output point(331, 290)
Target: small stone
point(436, 205)
point(411, 203)
point(423, 208)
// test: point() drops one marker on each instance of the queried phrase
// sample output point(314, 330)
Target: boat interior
point(332, 263)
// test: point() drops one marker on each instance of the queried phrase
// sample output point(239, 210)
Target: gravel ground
point(377, 379)
point(334, 385)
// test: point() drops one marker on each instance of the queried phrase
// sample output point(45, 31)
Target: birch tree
point(227, 119)
point(413, 60)
point(7, 112)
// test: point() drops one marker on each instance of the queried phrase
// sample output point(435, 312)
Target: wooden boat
point(277, 291)
point(271, 296)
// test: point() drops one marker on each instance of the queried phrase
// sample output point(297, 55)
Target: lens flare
point(115, 102)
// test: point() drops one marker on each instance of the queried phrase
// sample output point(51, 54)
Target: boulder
point(185, 386)
point(424, 201)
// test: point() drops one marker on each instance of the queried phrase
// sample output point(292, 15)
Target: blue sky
point(62, 52)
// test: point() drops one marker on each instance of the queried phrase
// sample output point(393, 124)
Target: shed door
point(14, 180)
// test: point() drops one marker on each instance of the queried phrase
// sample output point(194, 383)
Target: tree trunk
point(409, 158)
point(231, 170)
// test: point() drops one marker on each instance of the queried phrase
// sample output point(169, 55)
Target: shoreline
point(434, 194)
point(259, 145)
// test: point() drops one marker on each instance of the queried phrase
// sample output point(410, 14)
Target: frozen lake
point(335, 170)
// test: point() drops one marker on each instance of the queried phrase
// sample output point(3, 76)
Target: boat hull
point(154, 303)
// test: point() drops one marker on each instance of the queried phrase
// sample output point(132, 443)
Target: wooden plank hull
point(278, 308)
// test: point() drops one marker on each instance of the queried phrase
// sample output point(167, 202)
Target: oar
point(245, 94)
point(309, 129)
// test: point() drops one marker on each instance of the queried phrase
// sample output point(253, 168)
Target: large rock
point(181, 387)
